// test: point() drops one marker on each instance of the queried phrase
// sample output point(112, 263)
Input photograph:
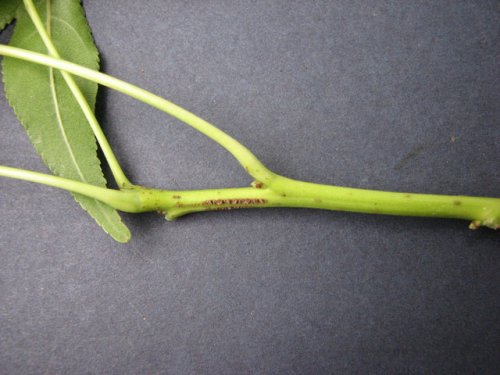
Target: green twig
point(246, 158)
point(283, 192)
point(120, 200)
point(270, 190)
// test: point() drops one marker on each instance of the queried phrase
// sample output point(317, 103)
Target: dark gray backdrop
point(374, 94)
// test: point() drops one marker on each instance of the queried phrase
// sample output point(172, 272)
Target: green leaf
point(50, 114)
point(8, 11)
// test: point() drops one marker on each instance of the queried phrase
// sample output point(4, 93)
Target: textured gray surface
point(375, 94)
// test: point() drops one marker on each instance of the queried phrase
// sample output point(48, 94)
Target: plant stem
point(245, 157)
point(285, 192)
point(270, 190)
point(124, 200)
point(116, 170)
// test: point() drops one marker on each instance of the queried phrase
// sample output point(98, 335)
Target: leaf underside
point(8, 11)
point(47, 109)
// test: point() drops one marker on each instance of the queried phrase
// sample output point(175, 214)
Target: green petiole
point(269, 190)
point(246, 158)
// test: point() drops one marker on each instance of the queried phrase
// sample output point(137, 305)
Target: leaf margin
point(8, 9)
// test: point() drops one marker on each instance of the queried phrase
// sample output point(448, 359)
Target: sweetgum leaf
point(47, 109)
point(8, 11)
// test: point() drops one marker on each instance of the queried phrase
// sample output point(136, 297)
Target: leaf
point(48, 111)
point(8, 11)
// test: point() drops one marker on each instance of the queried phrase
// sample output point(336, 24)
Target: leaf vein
point(60, 124)
point(99, 205)
point(70, 27)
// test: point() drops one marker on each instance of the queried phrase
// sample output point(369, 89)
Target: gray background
point(374, 94)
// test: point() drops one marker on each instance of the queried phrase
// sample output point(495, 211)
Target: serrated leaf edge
point(54, 169)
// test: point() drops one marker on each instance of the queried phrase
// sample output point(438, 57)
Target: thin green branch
point(285, 192)
point(116, 170)
point(271, 190)
point(244, 156)
point(124, 200)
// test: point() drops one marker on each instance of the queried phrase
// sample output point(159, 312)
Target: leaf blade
point(47, 109)
point(8, 11)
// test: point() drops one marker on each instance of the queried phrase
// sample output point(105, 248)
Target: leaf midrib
point(60, 125)
point(55, 102)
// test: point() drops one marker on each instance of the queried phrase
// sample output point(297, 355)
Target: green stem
point(292, 193)
point(285, 192)
point(124, 200)
point(116, 170)
point(271, 190)
point(246, 158)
